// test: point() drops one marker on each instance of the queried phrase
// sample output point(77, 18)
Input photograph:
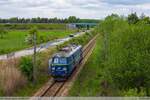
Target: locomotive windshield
point(59, 61)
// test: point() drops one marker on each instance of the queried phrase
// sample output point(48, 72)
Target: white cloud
point(65, 8)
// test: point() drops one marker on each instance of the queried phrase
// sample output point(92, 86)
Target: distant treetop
point(71, 19)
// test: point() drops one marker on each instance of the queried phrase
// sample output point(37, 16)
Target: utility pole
point(34, 58)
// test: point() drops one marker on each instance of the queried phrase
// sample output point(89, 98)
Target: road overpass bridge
point(82, 25)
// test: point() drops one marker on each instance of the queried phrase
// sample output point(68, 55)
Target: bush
point(133, 92)
point(26, 67)
point(81, 40)
point(126, 54)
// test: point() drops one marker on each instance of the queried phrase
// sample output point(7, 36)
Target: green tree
point(133, 18)
point(145, 20)
point(142, 16)
point(73, 19)
point(30, 36)
point(14, 19)
point(127, 63)
point(113, 16)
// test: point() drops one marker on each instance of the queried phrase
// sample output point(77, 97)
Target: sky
point(91, 9)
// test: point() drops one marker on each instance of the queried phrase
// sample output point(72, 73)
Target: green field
point(15, 39)
point(40, 26)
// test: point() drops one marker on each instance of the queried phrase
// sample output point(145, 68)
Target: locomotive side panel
point(63, 66)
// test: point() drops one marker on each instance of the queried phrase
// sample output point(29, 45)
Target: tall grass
point(42, 74)
point(14, 82)
point(11, 78)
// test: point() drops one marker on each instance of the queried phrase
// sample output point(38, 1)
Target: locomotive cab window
point(56, 61)
point(63, 61)
point(60, 60)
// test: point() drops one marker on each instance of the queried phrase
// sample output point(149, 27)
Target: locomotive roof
point(68, 51)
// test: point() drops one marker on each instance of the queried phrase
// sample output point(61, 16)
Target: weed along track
point(54, 89)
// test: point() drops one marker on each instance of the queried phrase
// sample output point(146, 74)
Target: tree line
point(125, 54)
point(71, 19)
point(132, 18)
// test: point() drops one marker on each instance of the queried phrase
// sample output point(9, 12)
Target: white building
point(71, 26)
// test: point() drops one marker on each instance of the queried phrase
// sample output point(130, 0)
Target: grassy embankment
point(120, 62)
point(88, 82)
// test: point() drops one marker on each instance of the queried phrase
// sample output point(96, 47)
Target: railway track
point(59, 88)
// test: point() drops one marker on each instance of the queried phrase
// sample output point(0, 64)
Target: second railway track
point(56, 88)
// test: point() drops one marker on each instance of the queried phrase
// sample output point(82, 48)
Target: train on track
point(63, 63)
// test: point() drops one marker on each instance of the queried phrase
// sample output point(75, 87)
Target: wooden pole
point(34, 59)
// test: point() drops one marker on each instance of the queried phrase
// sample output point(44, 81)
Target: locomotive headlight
point(53, 68)
point(65, 69)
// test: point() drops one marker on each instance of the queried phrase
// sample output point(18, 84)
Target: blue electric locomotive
point(64, 62)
